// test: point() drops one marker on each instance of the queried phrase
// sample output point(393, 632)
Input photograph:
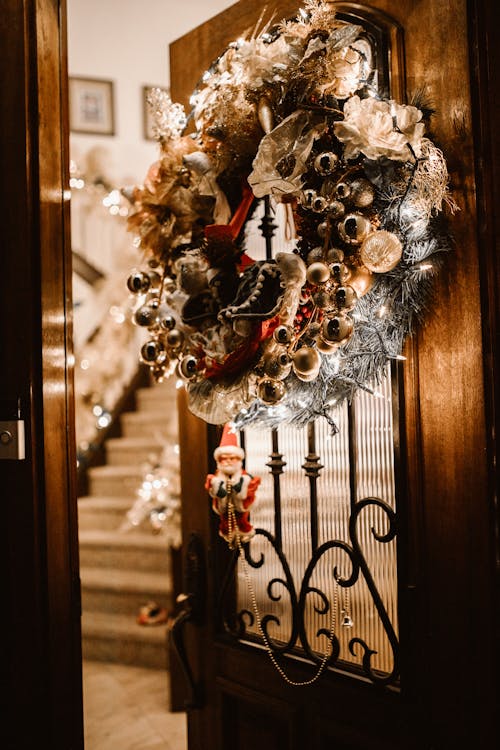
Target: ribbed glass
point(371, 475)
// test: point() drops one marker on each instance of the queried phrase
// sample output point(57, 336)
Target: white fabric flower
point(380, 128)
point(344, 70)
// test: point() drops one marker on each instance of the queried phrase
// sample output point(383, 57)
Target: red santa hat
point(229, 444)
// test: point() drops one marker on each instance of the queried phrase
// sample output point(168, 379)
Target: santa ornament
point(232, 490)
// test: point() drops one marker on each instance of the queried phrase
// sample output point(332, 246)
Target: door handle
point(192, 610)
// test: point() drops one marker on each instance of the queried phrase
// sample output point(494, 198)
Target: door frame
point(42, 661)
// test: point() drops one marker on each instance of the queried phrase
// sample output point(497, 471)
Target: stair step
point(152, 424)
point(118, 638)
point(131, 450)
point(132, 551)
point(162, 399)
point(105, 513)
point(116, 590)
point(115, 481)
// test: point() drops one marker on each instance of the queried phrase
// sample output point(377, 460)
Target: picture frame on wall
point(147, 118)
point(91, 106)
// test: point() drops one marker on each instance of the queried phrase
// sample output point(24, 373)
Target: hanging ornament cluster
point(291, 115)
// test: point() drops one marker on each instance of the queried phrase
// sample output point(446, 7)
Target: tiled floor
point(126, 708)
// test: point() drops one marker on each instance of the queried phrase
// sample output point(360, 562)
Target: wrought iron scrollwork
point(297, 602)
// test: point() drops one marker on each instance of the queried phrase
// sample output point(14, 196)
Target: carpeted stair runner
point(120, 570)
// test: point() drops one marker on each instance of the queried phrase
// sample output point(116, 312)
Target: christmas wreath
point(290, 115)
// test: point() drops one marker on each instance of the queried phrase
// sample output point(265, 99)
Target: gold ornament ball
point(337, 329)
point(361, 279)
point(325, 163)
point(323, 299)
point(326, 347)
point(188, 367)
point(306, 362)
point(335, 255)
point(317, 253)
point(270, 391)
point(381, 251)
point(175, 338)
point(336, 209)
point(339, 272)
point(354, 228)
point(283, 334)
point(345, 297)
point(277, 364)
point(317, 273)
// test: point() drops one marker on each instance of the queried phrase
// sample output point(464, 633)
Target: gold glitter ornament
point(317, 273)
point(362, 193)
point(317, 253)
point(381, 251)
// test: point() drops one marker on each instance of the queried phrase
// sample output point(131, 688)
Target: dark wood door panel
point(251, 719)
point(446, 695)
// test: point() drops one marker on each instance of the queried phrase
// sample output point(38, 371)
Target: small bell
point(340, 272)
point(277, 365)
point(347, 621)
point(342, 191)
point(345, 297)
point(308, 196)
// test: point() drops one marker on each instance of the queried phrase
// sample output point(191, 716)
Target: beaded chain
point(234, 532)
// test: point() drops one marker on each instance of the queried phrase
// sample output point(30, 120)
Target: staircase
point(121, 570)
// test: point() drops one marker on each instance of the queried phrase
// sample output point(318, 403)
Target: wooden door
point(40, 624)
point(446, 686)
